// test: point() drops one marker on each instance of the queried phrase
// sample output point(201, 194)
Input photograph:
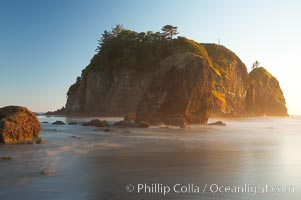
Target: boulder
point(218, 123)
point(40, 141)
point(97, 123)
point(18, 125)
point(58, 123)
point(264, 96)
point(181, 93)
point(8, 158)
point(143, 125)
point(125, 124)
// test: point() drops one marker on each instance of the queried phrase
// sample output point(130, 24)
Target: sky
point(44, 44)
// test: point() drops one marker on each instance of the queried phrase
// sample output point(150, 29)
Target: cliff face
point(230, 83)
point(180, 93)
point(264, 96)
point(109, 92)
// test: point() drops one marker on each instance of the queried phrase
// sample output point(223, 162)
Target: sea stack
point(264, 96)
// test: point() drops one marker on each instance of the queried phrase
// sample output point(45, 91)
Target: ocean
point(249, 158)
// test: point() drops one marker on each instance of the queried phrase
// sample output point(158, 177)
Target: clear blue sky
point(44, 44)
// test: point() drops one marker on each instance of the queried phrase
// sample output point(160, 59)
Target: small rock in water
point(96, 123)
point(75, 137)
point(126, 132)
point(44, 122)
point(8, 158)
point(143, 125)
point(40, 141)
point(125, 124)
point(72, 123)
point(107, 130)
point(48, 172)
point(58, 123)
point(218, 123)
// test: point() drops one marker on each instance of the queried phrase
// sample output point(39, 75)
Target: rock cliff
point(264, 96)
point(230, 82)
point(109, 92)
point(180, 93)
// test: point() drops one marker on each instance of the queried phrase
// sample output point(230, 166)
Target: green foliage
point(220, 56)
point(183, 44)
point(124, 48)
point(169, 31)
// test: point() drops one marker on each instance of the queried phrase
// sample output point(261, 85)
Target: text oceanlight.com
point(190, 188)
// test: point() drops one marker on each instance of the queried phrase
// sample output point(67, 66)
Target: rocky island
point(171, 80)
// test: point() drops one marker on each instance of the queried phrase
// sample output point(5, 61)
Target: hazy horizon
point(46, 44)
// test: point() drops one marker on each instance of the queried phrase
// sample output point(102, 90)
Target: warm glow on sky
point(45, 44)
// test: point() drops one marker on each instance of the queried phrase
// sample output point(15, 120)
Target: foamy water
point(87, 163)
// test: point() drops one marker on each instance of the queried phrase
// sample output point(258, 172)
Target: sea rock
point(40, 141)
point(72, 123)
point(125, 124)
point(58, 123)
point(231, 82)
point(218, 123)
point(97, 123)
point(143, 125)
point(264, 96)
point(18, 125)
point(181, 93)
point(7, 158)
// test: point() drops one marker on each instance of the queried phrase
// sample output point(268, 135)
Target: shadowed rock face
point(264, 96)
point(109, 92)
point(181, 92)
point(18, 125)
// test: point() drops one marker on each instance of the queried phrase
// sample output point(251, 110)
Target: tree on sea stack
point(118, 29)
point(169, 31)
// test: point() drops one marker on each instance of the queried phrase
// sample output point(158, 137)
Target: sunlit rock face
point(230, 82)
point(181, 92)
point(264, 96)
point(18, 125)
